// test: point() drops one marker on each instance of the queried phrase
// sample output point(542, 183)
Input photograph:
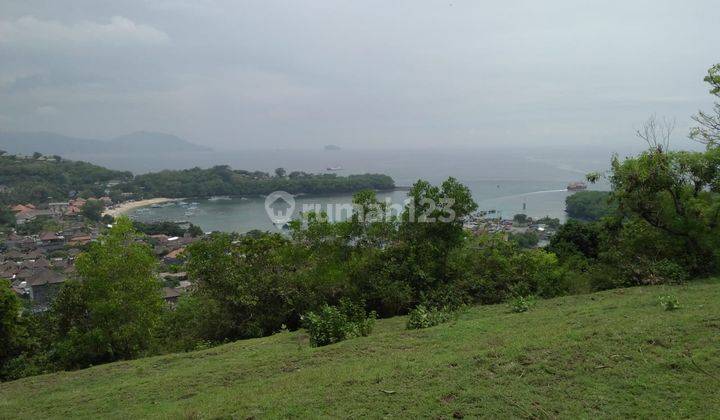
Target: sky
point(374, 74)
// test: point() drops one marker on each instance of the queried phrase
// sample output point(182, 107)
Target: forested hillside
point(40, 179)
point(223, 180)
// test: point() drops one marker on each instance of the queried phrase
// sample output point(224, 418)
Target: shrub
point(669, 302)
point(491, 270)
point(665, 272)
point(521, 304)
point(333, 324)
point(423, 317)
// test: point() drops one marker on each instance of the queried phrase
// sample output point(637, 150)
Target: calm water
point(500, 180)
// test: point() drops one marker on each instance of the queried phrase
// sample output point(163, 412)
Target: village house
point(44, 286)
point(171, 295)
point(51, 241)
point(25, 243)
point(79, 240)
point(8, 269)
point(173, 257)
point(58, 210)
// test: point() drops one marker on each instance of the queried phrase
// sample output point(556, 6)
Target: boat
point(334, 168)
point(219, 198)
point(577, 186)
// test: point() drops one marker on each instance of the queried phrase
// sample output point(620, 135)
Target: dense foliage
point(589, 205)
point(93, 209)
point(112, 311)
point(11, 328)
point(332, 324)
point(39, 180)
point(33, 180)
point(222, 180)
point(167, 228)
point(424, 317)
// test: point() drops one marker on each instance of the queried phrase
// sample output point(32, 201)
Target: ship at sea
point(577, 186)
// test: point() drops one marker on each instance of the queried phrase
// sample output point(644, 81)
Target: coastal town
point(41, 240)
point(39, 254)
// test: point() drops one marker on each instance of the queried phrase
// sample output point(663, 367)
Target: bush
point(423, 317)
point(491, 270)
point(669, 302)
point(665, 272)
point(333, 324)
point(521, 304)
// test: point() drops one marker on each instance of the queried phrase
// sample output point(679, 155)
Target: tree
point(589, 205)
point(431, 226)
point(520, 218)
point(249, 286)
point(7, 217)
point(576, 238)
point(488, 269)
point(93, 210)
point(11, 329)
point(112, 312)
point(525, 239)
point(195, 231)
point(676, 194)
point(708, 129)
point(280, 172)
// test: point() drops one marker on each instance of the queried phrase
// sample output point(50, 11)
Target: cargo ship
point(576, 186)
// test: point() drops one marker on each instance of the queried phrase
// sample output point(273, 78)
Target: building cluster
point(59, 210)
point(37, 265)
point(492, 223)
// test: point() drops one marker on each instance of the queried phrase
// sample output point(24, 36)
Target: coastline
point(123, 208)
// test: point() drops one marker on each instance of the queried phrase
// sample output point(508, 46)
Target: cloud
point(28, 32)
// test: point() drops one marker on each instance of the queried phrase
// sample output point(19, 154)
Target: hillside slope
point(610, 354)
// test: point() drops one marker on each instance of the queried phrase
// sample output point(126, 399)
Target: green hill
point(609, 354)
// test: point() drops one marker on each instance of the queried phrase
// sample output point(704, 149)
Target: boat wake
point(530, 193)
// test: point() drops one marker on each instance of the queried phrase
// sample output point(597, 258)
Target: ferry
point(576, 186)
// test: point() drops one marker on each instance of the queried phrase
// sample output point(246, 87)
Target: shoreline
point(127, 206)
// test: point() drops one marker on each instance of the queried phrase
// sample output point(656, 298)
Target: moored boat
point(576, 186)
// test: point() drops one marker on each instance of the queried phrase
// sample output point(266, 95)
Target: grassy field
point(610, 354)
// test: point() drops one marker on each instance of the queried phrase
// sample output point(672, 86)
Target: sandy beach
point(123, 208)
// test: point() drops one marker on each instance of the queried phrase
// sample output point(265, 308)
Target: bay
point(508, 181)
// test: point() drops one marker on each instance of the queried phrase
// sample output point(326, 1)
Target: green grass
point(611, 354)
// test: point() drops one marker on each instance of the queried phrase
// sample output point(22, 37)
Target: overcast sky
point(392, 73)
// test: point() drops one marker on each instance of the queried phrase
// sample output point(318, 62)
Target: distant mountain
point(160, 142)
point(43, 142)
point(141, 142)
